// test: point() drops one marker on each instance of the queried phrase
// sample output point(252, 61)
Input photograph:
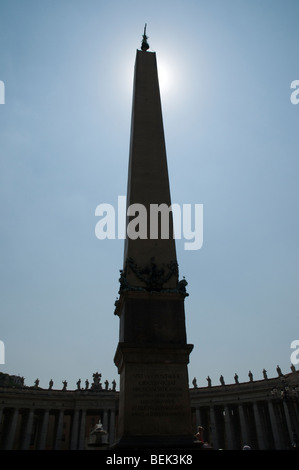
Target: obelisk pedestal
point(152, 358)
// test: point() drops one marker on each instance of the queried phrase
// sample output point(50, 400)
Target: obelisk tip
point(144, 44)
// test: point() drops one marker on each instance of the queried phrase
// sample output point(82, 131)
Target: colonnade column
point(260, 431)
point(105, 420)
point(74, 430)
point(291, 429)
point(12, 430)
point(112, 427)
point(81, 444)
point(28, 430)
point(198, 417)
point(105, 426)
point(41, 442)
point(274, 425)
point(1, 434)
point(58, 436)
point(213, 426)
point(244, 426)
point(228, 428)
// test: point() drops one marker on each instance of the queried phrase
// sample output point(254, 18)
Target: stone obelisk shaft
point(148, 182)
point(152, 353)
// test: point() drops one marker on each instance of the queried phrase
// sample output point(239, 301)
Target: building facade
point(263, 414)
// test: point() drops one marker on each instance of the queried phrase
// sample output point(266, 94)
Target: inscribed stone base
point(154, 406)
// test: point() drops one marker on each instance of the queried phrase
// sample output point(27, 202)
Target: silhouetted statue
point(279, 371)
point(144, 44)
point(236, 379)
point(96, 380)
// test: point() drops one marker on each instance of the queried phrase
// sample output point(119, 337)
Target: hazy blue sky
point(232, 137)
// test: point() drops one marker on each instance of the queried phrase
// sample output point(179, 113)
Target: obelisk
point(152, 353)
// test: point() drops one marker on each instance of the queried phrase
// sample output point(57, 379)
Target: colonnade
point(263, 414)
point(268, 423)
point(52, 429)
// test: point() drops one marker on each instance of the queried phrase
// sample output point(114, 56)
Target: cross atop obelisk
point(144, 44)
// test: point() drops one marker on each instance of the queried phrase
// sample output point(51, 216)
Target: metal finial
point(144, 44)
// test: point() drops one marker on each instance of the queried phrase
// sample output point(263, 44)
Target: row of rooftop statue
point(95, 386)
point(250, 375)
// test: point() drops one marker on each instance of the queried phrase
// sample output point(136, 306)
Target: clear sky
point(232, 137)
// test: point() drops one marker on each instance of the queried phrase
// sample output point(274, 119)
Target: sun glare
point(169, 79)
point(165, 78)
